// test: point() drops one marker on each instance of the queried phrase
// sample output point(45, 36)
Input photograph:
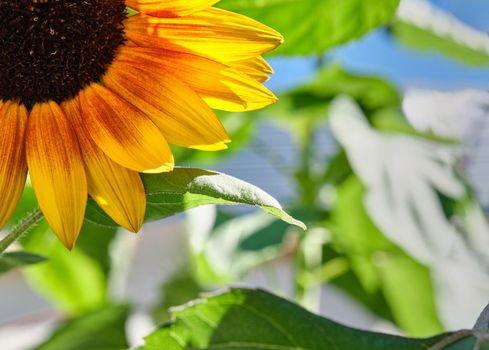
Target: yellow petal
point(117, 190)
point(169, 8)
point(56, 170)
point(218, 34)
point(181, 115)
point(255, 67)
point(220, 86)
point(13, 167)
point(123, 132)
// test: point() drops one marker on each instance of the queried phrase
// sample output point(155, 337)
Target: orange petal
point(182, 116)
point(117, 190)
point(220, 86)
point(56, 170)
point(123, 132)
point(218, 34)
point(13, 167)
point(169, 8)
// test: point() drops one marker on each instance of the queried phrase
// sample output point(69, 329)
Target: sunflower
point(93, 92)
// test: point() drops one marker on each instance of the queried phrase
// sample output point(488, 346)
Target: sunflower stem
point(24, 226)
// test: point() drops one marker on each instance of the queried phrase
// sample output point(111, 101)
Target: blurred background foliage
point(393, 260)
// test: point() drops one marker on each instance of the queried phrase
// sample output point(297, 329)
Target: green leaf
point(424, 40)
point(243, 319)
point(355, 234)
point(13, 260)
point(370, 92)
point(99, 330)
point(381, 265)
point(457, 41)
point(313, 26)
point(187, 188)
point(399, 274)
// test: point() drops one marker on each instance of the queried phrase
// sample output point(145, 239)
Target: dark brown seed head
point(52, 49)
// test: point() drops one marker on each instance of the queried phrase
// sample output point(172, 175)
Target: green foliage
point(312, 99)
point(76, 281)
point(406, 285)
point(179, 289)
point(102, 329)
point(256, 320)
point(235, 246)
point(95, 241)
point(314, 26)
point(73, 281)
point(187, 188)
point(380, 265)
point(305, 108)
point(426, 40)
point(370, 92)
point(12, 260)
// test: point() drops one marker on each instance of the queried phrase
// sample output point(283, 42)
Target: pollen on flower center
point(51, 49)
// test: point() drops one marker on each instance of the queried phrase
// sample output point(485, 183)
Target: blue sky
point(378, 54)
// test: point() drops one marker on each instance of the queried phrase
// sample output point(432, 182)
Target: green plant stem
point(24, 226)
point(308, 191)
point(304, 176)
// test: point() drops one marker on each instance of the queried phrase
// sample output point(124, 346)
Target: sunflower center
point(52, 49)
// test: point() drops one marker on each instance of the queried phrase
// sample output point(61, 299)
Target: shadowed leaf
point(242, 319)
point(13, 260)
point(99, 330)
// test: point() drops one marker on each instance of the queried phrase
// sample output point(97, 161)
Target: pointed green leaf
point(187, 188)
point(439, 30)
point(428, 41)
point(13, 260)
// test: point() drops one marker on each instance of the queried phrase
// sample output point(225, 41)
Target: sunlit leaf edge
point(186, 188)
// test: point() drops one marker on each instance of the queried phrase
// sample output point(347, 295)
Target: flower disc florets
point(52, 49)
